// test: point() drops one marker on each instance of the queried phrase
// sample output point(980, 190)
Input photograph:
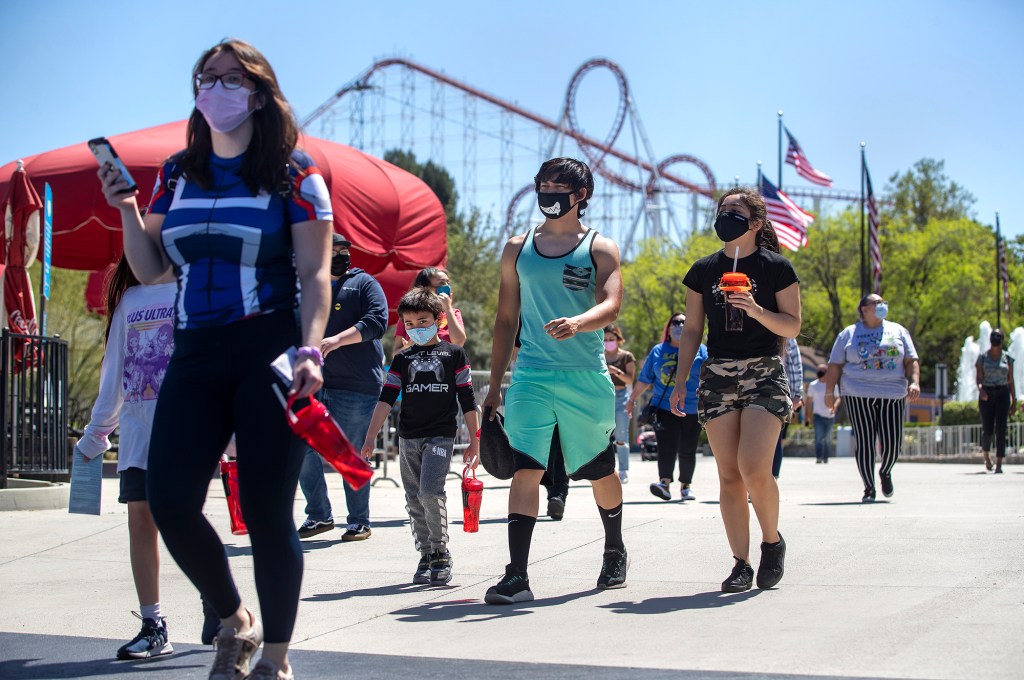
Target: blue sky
point(913, 79)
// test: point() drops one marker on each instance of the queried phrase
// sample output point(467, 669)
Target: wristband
point(311, 352)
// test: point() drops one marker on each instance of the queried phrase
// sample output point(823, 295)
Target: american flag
point(874, 240)
point(795, 156)
point(1004, 272)
point(789, 219)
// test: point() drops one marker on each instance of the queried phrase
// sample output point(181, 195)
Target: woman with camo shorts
point(743, 398)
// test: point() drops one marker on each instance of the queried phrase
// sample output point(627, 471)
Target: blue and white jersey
point(232, 250)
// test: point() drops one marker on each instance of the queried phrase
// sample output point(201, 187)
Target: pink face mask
point(611, 345)
point(222, 108)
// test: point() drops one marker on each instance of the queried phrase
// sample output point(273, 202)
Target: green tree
point(924, 193)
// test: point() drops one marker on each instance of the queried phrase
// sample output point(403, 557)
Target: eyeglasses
point(677, 322)
point(231, 80)
point(871, 303)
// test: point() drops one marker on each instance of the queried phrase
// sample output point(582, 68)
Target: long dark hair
point(275, 132)
point(750, 197)
point(119, 280)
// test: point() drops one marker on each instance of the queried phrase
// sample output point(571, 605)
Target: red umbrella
point(394, 221)
point(20, 209)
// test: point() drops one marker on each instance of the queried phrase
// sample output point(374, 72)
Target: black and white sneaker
point(514, 587)
point(741, 578)
point(556, 508)
point(661, 490)
point(869, 496)
point(356, 532)
point(886, 484)
point(151, 641)
point(422, 575)
point(773, 563)
point(613, 569)
point(312, 527)
point(440, 567)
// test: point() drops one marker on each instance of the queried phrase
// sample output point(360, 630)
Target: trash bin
point(844, 441)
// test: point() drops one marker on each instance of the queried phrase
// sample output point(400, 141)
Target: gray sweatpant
point(425, 463)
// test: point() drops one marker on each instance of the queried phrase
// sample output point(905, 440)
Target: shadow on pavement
point(30, 669)
point(454, 610)
point(394, 589)
point(678, 603)
point(849, 503)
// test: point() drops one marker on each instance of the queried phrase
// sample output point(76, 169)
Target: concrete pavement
point(927, 585)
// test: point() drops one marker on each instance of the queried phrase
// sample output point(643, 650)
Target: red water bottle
point(229, 475)
point(314, 424)
point(472, 496)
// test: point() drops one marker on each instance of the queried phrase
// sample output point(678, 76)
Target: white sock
point(151, 611)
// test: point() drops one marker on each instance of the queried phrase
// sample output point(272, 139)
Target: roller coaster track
point(595, 150)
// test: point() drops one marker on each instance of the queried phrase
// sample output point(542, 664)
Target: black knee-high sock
point(612, 520)
point(520, 533)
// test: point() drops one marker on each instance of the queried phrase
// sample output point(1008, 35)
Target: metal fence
point(33, 406)
point(926, 442)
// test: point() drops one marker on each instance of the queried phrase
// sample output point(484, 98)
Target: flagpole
point(999, 275)
point(759, 177)
point(863, 267)
point(780, 149)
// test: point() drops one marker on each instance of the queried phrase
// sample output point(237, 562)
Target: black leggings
point(218, 383)
point(677, 437)
point(994, 412)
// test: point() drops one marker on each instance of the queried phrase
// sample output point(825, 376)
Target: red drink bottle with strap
point(314, 424)
point(472, 496)
point(229, 476)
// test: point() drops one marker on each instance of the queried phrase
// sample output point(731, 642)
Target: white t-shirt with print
point(872, 360)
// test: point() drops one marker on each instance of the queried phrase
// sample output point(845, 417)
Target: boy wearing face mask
point(434, 379)
point(353, 376)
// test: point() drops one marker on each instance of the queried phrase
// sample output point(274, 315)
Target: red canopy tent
point(395, 222)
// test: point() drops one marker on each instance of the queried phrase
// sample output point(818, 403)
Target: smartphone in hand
point(104, 153)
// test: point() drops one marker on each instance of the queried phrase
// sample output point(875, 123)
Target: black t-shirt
point(434, 380)
point(769, 273)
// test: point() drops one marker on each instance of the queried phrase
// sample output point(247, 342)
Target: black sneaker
point(356, 532)
point(211, 623)
point(514, 587)
point(422, 575)
point(440, 567)
point(613, 569)
point(661, 490)
point(886, 485)
point(869, 497)
point(773, 564)
point(312, 527)
point(741, 578)
point(556, 508)
point(151, 641)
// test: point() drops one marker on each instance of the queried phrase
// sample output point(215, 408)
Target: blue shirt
point(357, 300)
point(232, 250)
point(659, 371)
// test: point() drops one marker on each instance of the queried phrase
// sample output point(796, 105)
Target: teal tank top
point(550, 288)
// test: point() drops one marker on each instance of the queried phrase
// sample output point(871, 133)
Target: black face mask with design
point(730, 226)
point(821, 374)
point(555, 205)
point(340, 263)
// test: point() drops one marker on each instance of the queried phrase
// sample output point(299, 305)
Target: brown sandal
point(988, 462)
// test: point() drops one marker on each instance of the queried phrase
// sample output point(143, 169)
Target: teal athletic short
point(581, 403)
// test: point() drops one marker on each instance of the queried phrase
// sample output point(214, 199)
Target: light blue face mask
point(881, 310)
point(422, 336)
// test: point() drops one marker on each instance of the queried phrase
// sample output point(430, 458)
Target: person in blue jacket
point(677, 435)
point(353, 377)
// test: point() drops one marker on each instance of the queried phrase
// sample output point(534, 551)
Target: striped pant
point(876, 420)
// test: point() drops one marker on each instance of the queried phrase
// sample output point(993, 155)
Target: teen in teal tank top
point(551, 288)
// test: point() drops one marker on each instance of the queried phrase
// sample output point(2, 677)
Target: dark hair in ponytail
point(751, 197)
point(119, 280)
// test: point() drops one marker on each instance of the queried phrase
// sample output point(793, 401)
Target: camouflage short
point(735, 384)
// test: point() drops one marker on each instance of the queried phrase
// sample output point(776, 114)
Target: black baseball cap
point(339, 240)
point(496, 454)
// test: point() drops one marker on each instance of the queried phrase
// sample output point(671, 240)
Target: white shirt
point(134, 364)
point(816, 391)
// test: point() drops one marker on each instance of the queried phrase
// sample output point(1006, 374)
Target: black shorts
point(598, 468)
point(133, 485)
